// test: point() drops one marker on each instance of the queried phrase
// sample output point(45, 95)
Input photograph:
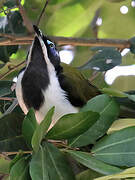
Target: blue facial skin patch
point(52, 49)
point(49, 42)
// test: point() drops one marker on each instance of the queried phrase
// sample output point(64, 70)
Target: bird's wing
point(79, 90)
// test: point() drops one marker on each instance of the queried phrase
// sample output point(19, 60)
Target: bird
point(46, 82)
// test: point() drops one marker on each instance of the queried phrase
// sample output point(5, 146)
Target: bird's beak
point(40, 36)
point(38, 48)
point(37, 31)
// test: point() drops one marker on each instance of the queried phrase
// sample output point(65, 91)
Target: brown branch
point(9, 36)
point(7, 98)
point(118, 43)
point(92, 42)
point(93, 77)
point(14, 153)
point(42, 12)
point(94, 25)
point(25, 40)
point(12, 70)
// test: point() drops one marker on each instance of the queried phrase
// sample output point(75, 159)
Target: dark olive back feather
point(79, 90)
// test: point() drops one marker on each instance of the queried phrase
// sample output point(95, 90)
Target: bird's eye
point(51, 45)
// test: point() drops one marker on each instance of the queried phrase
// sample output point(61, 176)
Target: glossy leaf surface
point(91, 162)
point(117, 148)
point(29, 126)
point(5, 88)
point(41, 130)
point(108, 110)
point(71, 125)
point(103, 60)
point(20, 171)
point(88, 175)
point(49, 164)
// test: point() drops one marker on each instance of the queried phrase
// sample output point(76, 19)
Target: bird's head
point(43, 49)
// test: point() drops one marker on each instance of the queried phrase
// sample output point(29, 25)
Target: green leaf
point(75, 17)
point(88, 175)
point(121, 124)
point(128, 173)
point(4, 165)
point(29, 126)
point(38, 165)
point(113, 92)
point(117, 93)
point(131, 97)
point(41, 130)
point(20, 171)
point(5, 88)
point(126, 102)
point(103, 60)
point(117, 148)
point(13, 144)
point(91, 162)
point(16, 158)
point(49, 164)
point(2, 65)
point(71, 125)
point(101, 48)
point(108, 110)
point(10, 125)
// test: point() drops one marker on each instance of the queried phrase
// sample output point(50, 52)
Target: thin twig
point(7, 98)
point(3, 155)
point(14, 153)
point(94, 25)
point(9, 36)
point(93, 77)
point(12, 70)
point(61, 144)
point(42, 12)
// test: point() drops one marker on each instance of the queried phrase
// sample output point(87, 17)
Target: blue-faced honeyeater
point(46, 82)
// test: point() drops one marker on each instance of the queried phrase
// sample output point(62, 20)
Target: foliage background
point(68, 18)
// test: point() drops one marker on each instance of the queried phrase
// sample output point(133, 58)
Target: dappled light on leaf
point(103, 60)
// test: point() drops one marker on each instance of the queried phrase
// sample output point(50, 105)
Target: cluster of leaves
point(45, 155)
point(47, 161)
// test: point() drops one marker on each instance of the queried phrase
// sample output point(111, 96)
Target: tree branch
point(7, 98)
point(93, 42)
point(25, 40)
point(14, 153)
point(9, 36)
point(12, 70)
